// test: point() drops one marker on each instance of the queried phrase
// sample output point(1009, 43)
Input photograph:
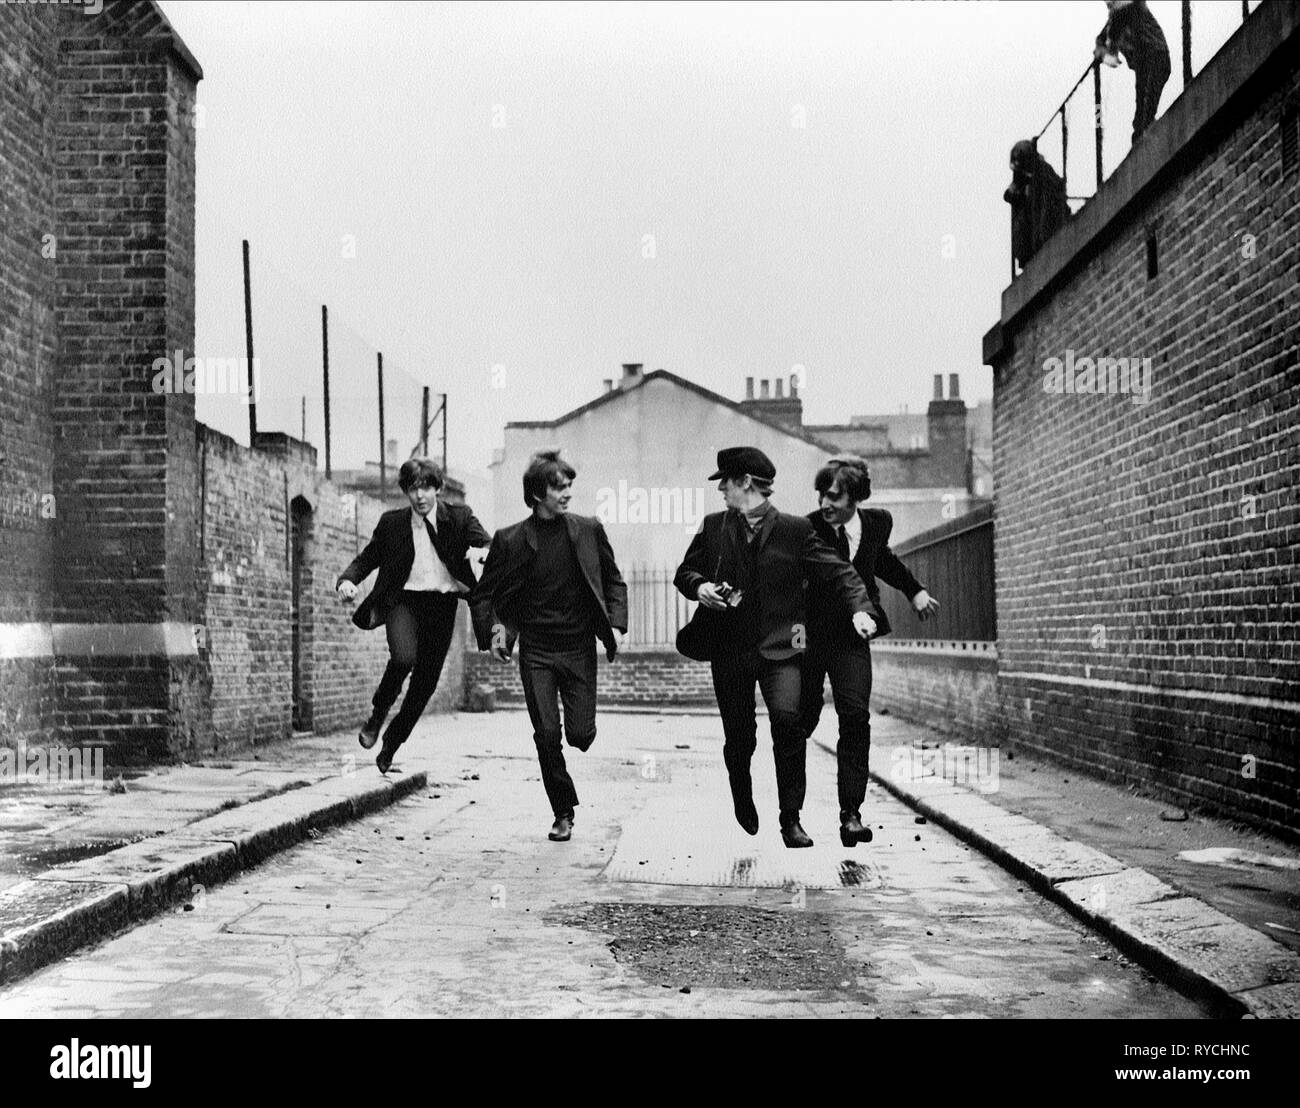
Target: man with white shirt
point(420, 553)
point(861, 537)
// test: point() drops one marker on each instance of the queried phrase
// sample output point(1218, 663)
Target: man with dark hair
point(748, 564)
point(861, 537)
point(1133, 31)
point(1037, 198)
point(551, 582)
point(420, 553)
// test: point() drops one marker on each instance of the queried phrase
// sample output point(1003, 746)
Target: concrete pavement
point(164, 842)
point(453, 903)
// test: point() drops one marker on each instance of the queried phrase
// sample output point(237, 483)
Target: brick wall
point(950, 687)
point(145, 601)
point(638, 677)
point(1147, 586)
point(98, 166)
point(249, 500)
point(28, 344)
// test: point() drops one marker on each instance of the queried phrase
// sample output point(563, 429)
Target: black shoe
point(742, 798)
point(852, 830)
point(562, 829)
point(370, 732)
point(792, 832)
point(384, 759)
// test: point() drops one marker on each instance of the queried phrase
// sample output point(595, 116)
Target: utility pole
point(248, 345)
point(325, 348)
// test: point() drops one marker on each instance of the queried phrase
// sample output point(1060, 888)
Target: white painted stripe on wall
point(26, 640)
point(108, 640)
point(1153, 690)
point(964, 648)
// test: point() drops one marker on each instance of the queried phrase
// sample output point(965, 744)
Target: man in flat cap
point(748, 565)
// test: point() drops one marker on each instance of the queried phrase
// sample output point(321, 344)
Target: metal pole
point(1187, 43)
point(1065, 152)
point(444, 432)
point(1096, 117)
point(304, 419)
point(325, 348)
point(383, 473)
point(248, 345)
point(424, 423)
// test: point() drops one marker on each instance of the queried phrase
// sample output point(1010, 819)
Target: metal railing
point(656, 611)
point(1212, 16)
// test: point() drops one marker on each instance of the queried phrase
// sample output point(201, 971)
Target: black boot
point(852, 830)
point(792, 832)
point(742, 798)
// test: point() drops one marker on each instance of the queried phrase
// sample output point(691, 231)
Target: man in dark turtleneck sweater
point(551, 582)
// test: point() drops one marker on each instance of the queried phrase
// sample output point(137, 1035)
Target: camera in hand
point(730, 594)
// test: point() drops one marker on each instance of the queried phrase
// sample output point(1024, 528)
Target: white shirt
point(428, 572)
point(853, 531)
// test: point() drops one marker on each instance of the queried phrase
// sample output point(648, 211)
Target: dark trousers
point(419, 632)
point(552, 679)
point(1150, 78)
point(734, 677)
point(849, 666)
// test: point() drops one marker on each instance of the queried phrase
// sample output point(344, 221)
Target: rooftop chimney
point(953, 391)
point(794, 386)
point(609, 384)
point(938, 386)
point(780, 388)
point(749, 388)
point(631, 373)
point(764, 389)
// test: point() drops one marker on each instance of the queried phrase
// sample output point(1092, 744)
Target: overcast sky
point(509, 200)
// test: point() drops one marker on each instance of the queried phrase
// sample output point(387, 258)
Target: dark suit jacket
point(497, 598)
point(392, 550)
point(826, 612)
point(789, 554)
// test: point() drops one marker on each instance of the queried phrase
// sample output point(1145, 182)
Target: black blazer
point(789, 554)
point(392, 550)
point(498, 596)
point(826, 613)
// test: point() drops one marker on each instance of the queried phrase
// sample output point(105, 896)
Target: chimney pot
point(749, 388)
point(764, 389)
point(780, 388)
point(794, 385)
point(953, 392)
point(938, 386)
point(631, 370)
point(609, 384)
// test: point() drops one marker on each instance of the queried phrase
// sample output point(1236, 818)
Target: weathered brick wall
point(98, 242)
point(951, 688)
point(246, 580)
point(1147, 586)
point(635, 678)
point(28, 344)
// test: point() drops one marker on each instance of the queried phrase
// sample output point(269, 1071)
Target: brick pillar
point(125, 472)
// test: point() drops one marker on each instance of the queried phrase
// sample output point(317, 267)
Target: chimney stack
point(938, 386)
point(953, 391)
point(794, 386)
point(780, 388)
point(609, 384)
point(749, 388)
point(764, 389)
point(631, 373)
